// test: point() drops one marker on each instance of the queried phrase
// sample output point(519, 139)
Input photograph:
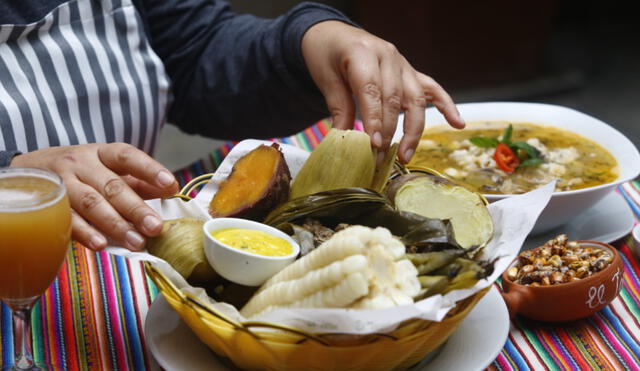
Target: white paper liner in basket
point(513, 219)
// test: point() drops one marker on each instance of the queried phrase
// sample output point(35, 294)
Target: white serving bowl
point(566, 204)
point(243, 267)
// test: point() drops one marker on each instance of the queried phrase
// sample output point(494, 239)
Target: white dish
point(175, 347)
point(563, 206)
point(608, 220)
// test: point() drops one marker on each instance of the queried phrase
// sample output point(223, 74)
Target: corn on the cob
point(357, 267)
point(342, 247)
point(341, 295)
point(285, 292)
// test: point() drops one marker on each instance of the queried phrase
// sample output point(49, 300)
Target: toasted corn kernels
point(555, 260)
point(557, 277)
point(558, 261)
point(527, 269)
point(573, 245)
point(582, 272)
point(568, 259)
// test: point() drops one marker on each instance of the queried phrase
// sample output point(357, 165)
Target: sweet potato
point(259, 181)
point(439, 198)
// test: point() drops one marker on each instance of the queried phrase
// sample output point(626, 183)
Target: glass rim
point(54, 196)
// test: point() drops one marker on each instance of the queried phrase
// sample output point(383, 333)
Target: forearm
point(237, 74)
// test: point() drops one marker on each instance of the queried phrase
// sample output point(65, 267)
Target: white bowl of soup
point(247, 252)
point(586, 157)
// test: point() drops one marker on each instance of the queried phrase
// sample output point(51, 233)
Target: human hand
point(106, 184)
point(345, 61)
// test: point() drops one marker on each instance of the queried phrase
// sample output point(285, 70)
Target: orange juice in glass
point(35, 230)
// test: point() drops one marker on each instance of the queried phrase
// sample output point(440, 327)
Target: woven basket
point(267, 346)
point(255, 345)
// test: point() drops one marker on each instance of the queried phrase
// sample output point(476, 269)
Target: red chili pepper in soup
point(505, 158)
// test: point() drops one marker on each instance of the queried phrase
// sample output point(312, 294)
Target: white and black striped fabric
point(84, 73)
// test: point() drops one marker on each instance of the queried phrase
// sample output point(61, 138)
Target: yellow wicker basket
point(267, 346)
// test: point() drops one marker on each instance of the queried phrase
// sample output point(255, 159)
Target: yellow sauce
point(256, 242)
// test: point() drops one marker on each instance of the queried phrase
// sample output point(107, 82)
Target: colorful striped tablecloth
point(92, 316)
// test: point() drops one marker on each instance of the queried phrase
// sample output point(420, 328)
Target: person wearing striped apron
point(85, 86)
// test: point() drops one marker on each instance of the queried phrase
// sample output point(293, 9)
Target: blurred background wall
point(580, 54)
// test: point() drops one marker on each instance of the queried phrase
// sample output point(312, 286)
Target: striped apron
point(85, 73)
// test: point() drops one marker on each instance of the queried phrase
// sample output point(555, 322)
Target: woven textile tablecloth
point(92, 316)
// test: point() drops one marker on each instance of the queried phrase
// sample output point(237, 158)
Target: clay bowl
point(566, 301)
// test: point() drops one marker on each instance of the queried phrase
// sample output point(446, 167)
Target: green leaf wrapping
point(365, 207)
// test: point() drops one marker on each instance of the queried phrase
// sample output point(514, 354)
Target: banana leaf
point(369, 208)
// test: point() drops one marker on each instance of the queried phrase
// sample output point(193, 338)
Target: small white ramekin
point(243, 267)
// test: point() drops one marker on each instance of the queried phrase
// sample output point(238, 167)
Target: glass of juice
point(35, 232)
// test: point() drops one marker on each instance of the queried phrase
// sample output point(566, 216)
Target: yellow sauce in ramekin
point(256, 242)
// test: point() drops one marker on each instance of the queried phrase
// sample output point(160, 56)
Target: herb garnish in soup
point(506, 158)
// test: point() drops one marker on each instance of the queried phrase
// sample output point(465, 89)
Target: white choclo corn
point(379, 301)
point(285, 292)
point(336, 248)
point(341, 295)
point(351, 288)
point(356, 267)
point(383, 237)
point(407, 282)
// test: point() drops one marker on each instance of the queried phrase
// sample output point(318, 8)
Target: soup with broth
point(507, 158)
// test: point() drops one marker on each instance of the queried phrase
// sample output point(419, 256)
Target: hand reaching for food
point(345, 61)
point(106, 184)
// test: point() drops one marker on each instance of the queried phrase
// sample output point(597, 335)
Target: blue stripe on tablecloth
point(514, 356)
point(129, 319)
point(7, 336)
point(105, 306)
point(621, 332)
point(630, 201)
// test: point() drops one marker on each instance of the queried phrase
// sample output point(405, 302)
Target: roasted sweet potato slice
point(259, 181)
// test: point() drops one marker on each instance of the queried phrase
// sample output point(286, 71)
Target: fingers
point(125, 202)
point(339, 102)
point(145, 190)
point(125, 159)
point(414, 104)
point(90, 204)
point(363, 74)
point(392, 93)
point(441, 100)
point(84, 233)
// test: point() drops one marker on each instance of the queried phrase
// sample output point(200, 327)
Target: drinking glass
point(35, 231)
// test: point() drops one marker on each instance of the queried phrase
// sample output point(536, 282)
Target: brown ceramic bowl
point(566, 301)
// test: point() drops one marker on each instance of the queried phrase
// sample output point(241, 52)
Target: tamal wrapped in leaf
point(181, 244)
point(343, 159)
